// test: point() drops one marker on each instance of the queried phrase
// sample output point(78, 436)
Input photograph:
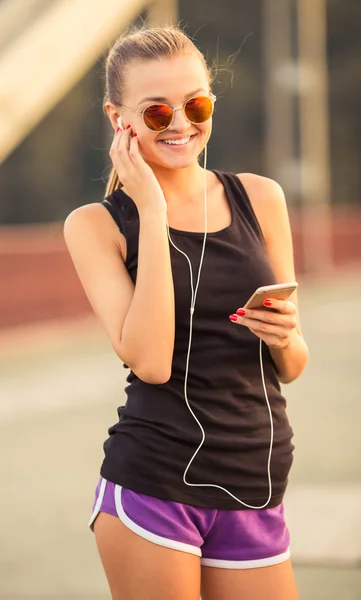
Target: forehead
point(170, 78)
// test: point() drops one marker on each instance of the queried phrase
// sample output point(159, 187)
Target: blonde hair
point(141, 44)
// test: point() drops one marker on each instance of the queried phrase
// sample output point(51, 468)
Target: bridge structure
point(47, 47)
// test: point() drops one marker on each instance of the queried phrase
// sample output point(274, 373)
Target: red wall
point(39, 282)
point(38, 279)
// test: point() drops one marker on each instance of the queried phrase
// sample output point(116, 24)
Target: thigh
point(137, 569)
point(275, 582)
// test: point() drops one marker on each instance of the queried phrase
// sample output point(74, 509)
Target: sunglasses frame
point(211, 96)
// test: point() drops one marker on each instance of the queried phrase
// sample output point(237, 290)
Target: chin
point(174, 162)
point(180, 163)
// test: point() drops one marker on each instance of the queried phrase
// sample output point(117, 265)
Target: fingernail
point(241, 312)
point(127, 127)
point(117, 129)
point(135, 135)
point(267, 303)
point(233, 317)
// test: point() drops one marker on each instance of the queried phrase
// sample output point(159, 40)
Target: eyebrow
point(164, 99)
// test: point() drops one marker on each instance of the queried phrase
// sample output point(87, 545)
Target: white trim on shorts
point(99, 501)
point(174, 545)
point(151, 537)
point(246, 564)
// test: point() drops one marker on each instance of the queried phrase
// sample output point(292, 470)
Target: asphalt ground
point(59, 389)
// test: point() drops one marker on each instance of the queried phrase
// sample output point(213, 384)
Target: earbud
point(119, 121)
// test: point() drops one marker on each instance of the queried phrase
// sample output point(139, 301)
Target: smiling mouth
point(179, 142)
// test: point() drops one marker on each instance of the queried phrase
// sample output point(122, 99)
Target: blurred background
point(289, 92)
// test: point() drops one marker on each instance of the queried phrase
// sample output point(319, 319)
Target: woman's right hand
point(135, 174)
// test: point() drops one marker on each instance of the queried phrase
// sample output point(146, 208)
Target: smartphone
point(280, 291)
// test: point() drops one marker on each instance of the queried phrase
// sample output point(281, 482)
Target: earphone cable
point(192, 309)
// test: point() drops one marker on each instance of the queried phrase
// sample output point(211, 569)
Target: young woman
point(190, 498)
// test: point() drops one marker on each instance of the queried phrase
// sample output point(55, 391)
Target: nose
point(180, 121)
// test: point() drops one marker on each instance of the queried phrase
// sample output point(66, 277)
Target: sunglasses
point(159, 117)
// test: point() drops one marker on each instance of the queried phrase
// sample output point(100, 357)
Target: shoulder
point(88, 215)
point(262, 189)
point(91, 222)
point(267, 199)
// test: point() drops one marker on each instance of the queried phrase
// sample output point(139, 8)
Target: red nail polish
point(117, 129)
point(127, 127)
point(135, 135)
point(233, 317)
point(267, 303)
point(241, 312)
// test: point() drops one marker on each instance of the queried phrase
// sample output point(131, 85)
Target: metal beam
point(50, 56)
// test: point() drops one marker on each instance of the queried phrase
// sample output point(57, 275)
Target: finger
point(258, 325)
point(134, 152)
point(114, 148)
point(116, 137)
point(285, 307)
point(257, 314)
point(123, 148)
point(268, 316)
point(279, 329)
point(119, 159)
point(124, 139)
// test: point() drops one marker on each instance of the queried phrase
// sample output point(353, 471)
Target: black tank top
point(155, 437)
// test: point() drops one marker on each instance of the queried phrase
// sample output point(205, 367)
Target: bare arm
point(138, 320)
point(282, 332)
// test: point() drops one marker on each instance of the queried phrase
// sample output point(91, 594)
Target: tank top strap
point(114, 214)
point(118, 207)
point(125, 214)
point(241, 201)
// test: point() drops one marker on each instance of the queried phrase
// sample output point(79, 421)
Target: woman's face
point(172, 81)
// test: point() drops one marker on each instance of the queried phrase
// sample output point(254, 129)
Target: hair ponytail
point(113, 182)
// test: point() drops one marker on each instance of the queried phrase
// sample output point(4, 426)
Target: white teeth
point(177, 142)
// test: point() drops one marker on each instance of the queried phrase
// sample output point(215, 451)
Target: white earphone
point(192, 308)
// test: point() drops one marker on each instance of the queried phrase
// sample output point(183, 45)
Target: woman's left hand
point(274, 328)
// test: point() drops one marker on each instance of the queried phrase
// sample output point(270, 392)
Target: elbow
point(149, 373)
point(284, 379)
point(155, 372)
point(153, 376)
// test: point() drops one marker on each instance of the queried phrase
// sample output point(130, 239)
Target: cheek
point(208, 129)
point(146, 138)
point(205, 131)
point(147, 143)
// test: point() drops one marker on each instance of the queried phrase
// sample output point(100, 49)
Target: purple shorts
point(231, 539)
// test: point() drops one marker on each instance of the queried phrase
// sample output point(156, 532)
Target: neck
point(179, 183)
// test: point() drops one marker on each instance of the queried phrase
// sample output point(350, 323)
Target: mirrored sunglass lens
point(199, 109)
point(158, 117)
